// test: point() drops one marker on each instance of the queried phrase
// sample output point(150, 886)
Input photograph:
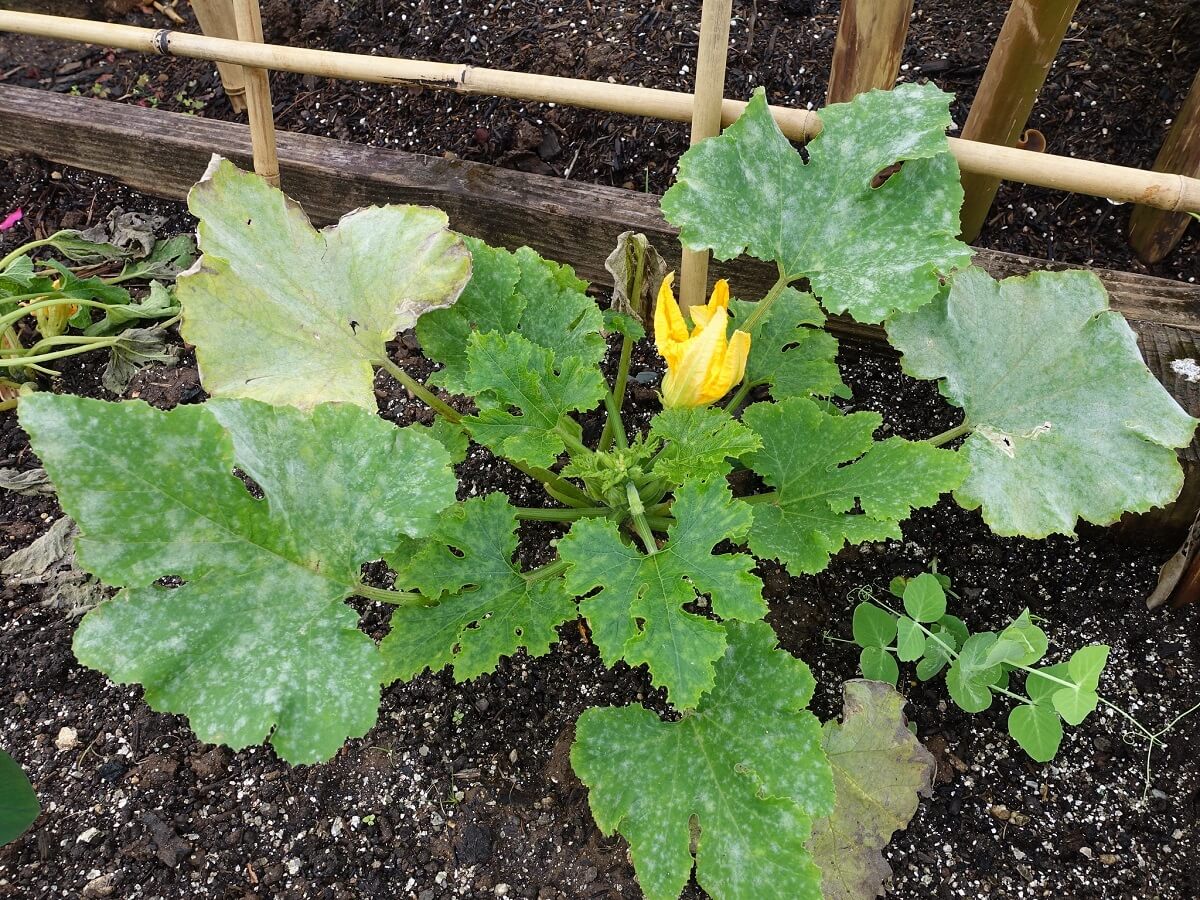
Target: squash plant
point(236, 551)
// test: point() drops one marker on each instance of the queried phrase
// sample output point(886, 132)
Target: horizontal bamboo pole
point(1159, 189)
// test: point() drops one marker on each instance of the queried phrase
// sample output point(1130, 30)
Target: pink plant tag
point(11, 219)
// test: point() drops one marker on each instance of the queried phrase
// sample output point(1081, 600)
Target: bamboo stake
point(216, 19)
point(258, 95)
point(1120, 183)
point(1029, 40)
point(706, 122)
point(870, 41)
point(1153, 233)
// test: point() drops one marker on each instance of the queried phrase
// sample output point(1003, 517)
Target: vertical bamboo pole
point(216, 19)
point(258, 95)
point(870, 42)
point(1029, 40)
point(706, 122)
point(1153, 233)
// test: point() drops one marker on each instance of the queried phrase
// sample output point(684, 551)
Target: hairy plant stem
point(563, 487)
point(561, 515)
point(614, 428)
point(947, 436)
point(549, 570)
point(396, 598)
point(18, 361)
point(743, 391)
point(768, 497)
point(637, 513)
point(46, 301)
point(764, 305)
point(26, 248)
point(616, 397)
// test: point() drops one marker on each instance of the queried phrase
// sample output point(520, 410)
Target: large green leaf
point(485, 608)
point(790, 349)
point(638, 614)
point(1068, 422)
point(283, 313)
point(256, 640)
point(511, 371)
point(879, 771)
point(698, 442)
point(18, 803)
point(868, 250)
point(513, 292)
point(834, 483)
point(746, 767)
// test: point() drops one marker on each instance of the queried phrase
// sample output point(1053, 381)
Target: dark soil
point(466, 790)
point(1118, 81)
point(462, 790)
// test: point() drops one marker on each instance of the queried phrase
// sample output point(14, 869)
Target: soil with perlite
point(465, 790)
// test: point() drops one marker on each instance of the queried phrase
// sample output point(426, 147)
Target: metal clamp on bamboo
point(1162, 190)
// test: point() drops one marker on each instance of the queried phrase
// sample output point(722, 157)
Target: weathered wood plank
point(869, 45)
point(1153, 233)
point(1029, 40)
point(165, 153)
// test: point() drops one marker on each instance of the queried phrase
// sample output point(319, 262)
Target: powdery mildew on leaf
point(871, 251)
point(286, 314)
point(637, 615)
point(256, 641)
point(879, 771)
point(746, 767)
point(513, 292)
point(1069, 422)
point(835, 483)
point(482, 607)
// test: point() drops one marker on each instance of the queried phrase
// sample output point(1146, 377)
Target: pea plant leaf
point(973, 672)
point(834, 483)
point(283, 313)
point(1037, 729)
point(869, 250)
point(746, 766)
point(19, 805)
point(790, 350)
point(256, 640)
point(1068, 422)
point(513, 292)
point(509, 371)
point(879, 772)
point(698, 442)
point(638, 616)
point(482, 605)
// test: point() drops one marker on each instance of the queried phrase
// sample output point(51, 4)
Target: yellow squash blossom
point(701, 366)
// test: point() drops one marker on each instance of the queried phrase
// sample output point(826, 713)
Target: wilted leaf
point(283, 313)
point(879, 771)
point(1068, 421)
point(638, 614)
point(30, 482)
point(636, 268)
point(870, 250)
point(256, 641)
point(49, 563)
point(136, 348)
point(482, 606)
point(158, 304)
point(746, 766)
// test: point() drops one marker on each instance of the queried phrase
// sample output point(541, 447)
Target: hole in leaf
point(881, 178)
point(252, 486)
point(353, 326)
